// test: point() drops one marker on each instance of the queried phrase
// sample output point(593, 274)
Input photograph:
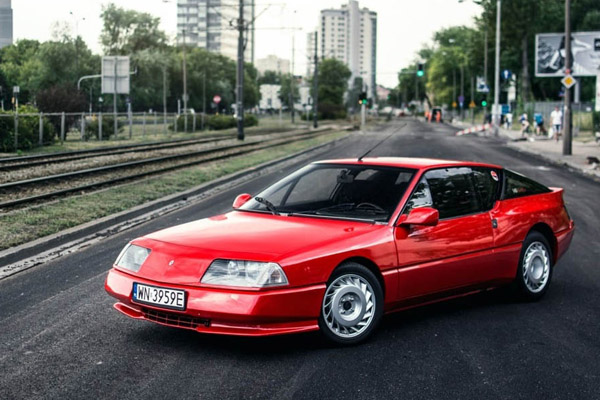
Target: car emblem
point(171, 263)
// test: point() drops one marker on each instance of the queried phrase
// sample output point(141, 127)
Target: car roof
point(408, 162)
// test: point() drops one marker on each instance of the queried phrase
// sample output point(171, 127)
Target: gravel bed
point(94, 162)
point(34, 190)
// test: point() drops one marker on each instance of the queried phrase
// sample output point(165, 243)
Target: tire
point(535, 267)
point(352, 305)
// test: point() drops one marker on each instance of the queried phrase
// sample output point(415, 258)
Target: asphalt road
point(61, 338)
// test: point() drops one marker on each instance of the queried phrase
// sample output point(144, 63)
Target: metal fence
point(42, 128)
point(582, 113)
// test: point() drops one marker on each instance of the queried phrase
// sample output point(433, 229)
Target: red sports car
point(337, 244)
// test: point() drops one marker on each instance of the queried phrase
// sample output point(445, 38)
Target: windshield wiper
point(270, 206)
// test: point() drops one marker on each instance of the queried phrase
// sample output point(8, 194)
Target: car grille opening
point(176, 320)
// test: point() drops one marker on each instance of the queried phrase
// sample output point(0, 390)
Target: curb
point(572, 167)
point(44, 244)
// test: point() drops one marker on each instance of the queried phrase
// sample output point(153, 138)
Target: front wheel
point(535, 267)
point(352, 305)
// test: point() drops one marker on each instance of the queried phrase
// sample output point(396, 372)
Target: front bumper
point(227, 312)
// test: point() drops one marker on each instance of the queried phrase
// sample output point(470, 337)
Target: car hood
point(182, 253)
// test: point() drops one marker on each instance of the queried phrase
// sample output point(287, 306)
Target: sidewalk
point(551, 150)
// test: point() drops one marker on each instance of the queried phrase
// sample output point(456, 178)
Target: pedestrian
point(556, 118)
point(524, 124)
point(508, 121)
point(539, 124)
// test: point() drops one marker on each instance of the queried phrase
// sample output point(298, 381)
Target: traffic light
point(420, 70)
point(483, 103)
point(362, 98)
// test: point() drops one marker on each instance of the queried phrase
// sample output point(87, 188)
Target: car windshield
point(360, 191)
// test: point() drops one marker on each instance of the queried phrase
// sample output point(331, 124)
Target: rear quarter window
point(517, 185)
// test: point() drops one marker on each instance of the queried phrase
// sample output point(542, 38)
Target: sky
point(403, 25)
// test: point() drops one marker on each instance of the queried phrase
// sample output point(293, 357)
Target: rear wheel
point(352, 305)
point(535, 267)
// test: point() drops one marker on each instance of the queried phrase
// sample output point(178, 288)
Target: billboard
point(550, 54)
point(121, 69)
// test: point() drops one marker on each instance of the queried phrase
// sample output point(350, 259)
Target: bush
point(108, 129)
point(214, 122)
point(331, 111)
point(596, 121)
point(28, 131)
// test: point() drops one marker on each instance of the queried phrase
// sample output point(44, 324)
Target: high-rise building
point(6, 23)
point(349, 34)
point(310, 53)
point(212, 25)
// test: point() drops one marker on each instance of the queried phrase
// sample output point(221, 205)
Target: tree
point(270, 78)
point(126, 32)
point(333, 82)
point(285, 93)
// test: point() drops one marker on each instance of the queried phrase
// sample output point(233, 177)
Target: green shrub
point(596, 121)
point(28, 131)
point(108, 129)
point(331, 111)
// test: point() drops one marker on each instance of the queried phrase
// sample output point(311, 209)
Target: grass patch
point(25, 225)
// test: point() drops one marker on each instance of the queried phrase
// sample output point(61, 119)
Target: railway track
point(31, 191)
point(20, 162)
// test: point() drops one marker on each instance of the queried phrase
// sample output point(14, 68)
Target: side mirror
point(425, 216)
point(241, 199)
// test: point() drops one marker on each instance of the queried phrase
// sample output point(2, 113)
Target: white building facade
point(272, 63)
point(269, 97)
point(206, 24)
point(349, 34)
point(6, 23)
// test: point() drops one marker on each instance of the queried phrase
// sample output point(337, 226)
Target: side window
point(421, 197)
point(487, 183)
point(518, 186)
point(452, 191)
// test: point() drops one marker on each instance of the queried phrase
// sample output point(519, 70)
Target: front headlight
point(244, 274)
point(132, 257)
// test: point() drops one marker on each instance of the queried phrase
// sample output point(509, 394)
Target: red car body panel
point(416, 264)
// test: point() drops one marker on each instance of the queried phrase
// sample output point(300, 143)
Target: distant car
point(339, 243)
point(435, 115)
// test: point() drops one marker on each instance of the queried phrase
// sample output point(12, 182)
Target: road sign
point(217, 99)
point(16, 89)
point(505, 108)
point(115, 68)
point(482, 86)
point(472, 104)
point(568, 81)
point(454, 104)
point(506, 74)
point(461, 99)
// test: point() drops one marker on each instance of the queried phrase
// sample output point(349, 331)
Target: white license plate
point(159, 296)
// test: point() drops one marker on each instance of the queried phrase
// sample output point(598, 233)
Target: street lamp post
point(495, 112)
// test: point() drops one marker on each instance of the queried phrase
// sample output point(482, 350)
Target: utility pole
point(496, 110)
point(461, 103)
point(239, 109)
point(164, 71)
point(203, 98)
point(292, 105)
point(115, 122)
point(453, 92)
point(472, 99)
point(316, 84)
point(185, 93)
point(568, 63)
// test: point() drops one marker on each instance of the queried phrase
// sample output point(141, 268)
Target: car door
point(456, 252)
